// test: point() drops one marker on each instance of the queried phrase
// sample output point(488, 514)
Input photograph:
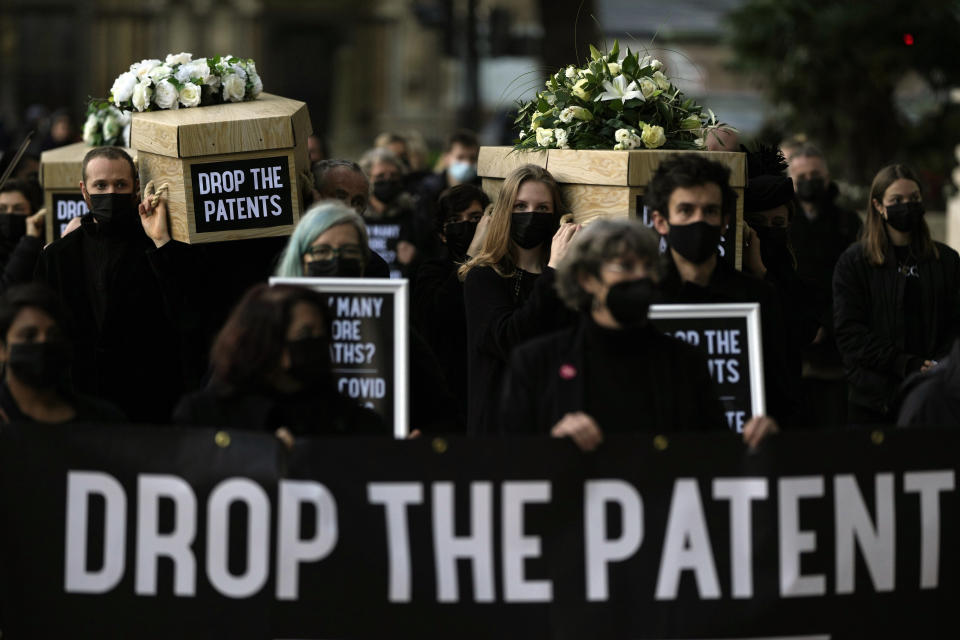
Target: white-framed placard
point(369, 342)
point(729, 337)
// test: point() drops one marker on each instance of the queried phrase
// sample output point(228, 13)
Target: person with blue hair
point(330, 241)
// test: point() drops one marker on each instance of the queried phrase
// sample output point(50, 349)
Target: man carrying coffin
point(613, 372)
point(692, 204)
point(135, 294)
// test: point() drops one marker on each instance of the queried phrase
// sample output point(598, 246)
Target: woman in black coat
point(895, 296)
point(271, 370)
point(508, 288)
point(613, 372)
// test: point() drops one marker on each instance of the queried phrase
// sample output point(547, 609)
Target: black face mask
point(13, 226)
point(459, 235)
point(906, 216)
point(812, 189)
point(116, 211)
point(696, 242)
point(40, 365)
point(310, 360)
point(774, 246)
point(629, 301)
point(529, 230)
point(335, 268)
point(387, 190)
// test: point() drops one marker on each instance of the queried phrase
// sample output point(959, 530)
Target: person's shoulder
point(852, 254)
point(946, 252)
point(482, 273)
point(549, 346)
point(65, 244)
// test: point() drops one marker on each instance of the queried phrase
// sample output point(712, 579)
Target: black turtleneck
point(617, 385)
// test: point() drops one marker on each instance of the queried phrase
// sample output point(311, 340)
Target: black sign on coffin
point(66, 207)
point(241, 194)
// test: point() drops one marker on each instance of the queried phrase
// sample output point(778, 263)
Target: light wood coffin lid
point(258, 125)
point(60, 168)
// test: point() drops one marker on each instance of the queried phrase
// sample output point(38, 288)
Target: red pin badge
point(568, 371)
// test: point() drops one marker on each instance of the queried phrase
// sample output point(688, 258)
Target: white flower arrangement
point(106, 125)
point(613, 102)
point(182, 81)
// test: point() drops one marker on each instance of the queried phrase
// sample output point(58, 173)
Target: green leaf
point(614, 52)
point(595, 53)
point(630, 66)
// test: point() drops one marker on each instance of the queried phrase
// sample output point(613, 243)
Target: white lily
point(619, 89)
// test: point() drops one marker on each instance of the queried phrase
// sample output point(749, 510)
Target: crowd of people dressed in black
point(522, 320)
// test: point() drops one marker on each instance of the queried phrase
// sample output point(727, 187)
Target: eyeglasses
point(326, 252)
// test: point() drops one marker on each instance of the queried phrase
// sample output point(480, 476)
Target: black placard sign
point(142, 532)
point(241, 194)
point(383, 238)
point(729, 337)
point(368, 342)
point(66, 207)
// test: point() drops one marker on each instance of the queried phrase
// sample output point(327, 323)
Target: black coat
point(498, 320)
point(546, 380)
point(440, 317)
point(727, 285)
point(21, 263)
point(151, 343)
point(869, 320)
point(305, 413)
point(88, 410)
point(932, 399)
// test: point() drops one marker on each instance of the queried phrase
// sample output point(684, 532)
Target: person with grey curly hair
point(613, 372)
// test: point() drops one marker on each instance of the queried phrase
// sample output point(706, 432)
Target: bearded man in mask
point(438, 308)
point(136, 295)
point(693, 204)
point(613, 372)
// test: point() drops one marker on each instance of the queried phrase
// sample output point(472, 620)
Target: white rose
point(239, 70)
point(90, 128)
point(621, 135)
point(257, 88)
point(233, 88)
point(653, 137)
point(125, 135)
point(662, 81)
point(647, 87)
point(698, 143)
point(561, 137)
point(550, 98)
point(123, 87)
point(544, 137)
point(618, 147)
point(614, 68)
point(656, 65)
point(571, 72)
point(566, 116)
point(124, 117)
point(180, 58)
point(632, 142)
point(160, 72)
point(190, 95)
point(166, 95)
point(111, 127)
point(141, 96)
point(142, 68)
point(251, 67)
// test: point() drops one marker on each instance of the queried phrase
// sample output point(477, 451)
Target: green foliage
point(831, 69)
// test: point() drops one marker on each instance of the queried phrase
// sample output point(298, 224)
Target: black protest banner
point(368, 342)
point(241, 194)
point(66, 207)
point(729, 337)
point(192, 534)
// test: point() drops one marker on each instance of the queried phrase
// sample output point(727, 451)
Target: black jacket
point(728, 285)
point(304, 413)
point(546, 380)
point(148, 343)
point(21, 263)
point(499, 319)
point(869, 320)
point(439, 316)
point(89, 410)
point(932, 399)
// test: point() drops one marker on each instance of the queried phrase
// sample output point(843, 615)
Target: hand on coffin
point(561, 242)
point(153, 213)
point(757, 429)
point(35, 224)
